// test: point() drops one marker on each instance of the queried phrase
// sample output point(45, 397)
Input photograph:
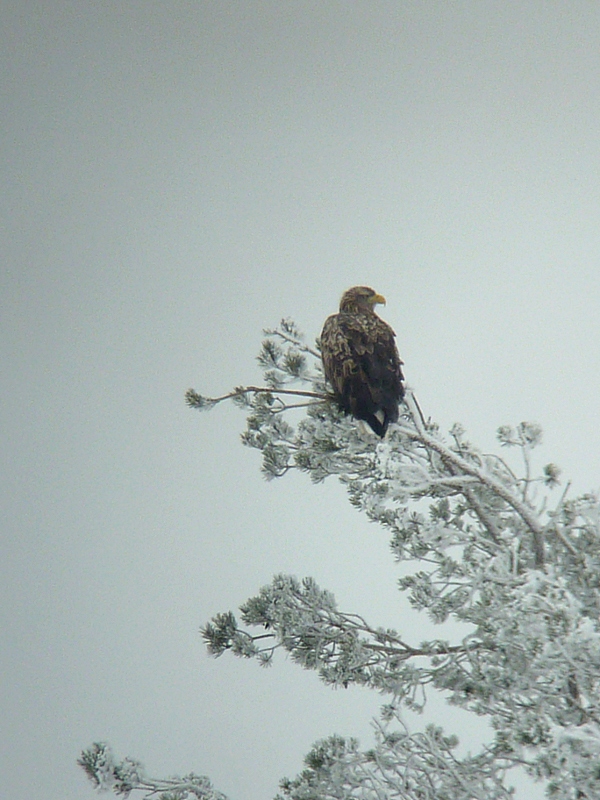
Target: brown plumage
point(361, 361)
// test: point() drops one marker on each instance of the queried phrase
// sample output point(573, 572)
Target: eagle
point(361, 361)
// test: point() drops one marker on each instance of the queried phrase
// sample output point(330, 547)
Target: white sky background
point(179, 175)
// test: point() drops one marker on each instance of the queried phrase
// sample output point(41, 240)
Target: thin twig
point(415, 411)
point(482, 515)
point(242, 390)
point(292, 405)
point(527, 462)
point(300, 345)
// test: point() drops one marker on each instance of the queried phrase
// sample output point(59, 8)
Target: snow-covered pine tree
point(487, 550)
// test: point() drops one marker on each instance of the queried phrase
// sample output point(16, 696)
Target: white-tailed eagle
point(361, 361)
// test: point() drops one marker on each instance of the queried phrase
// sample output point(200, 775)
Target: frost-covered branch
point(289, 332)
point(195, 400)
point(305, 621)
point(417, 766)
point(128, 775)
point(485, 477)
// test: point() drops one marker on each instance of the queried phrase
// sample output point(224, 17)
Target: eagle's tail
point(378, 422)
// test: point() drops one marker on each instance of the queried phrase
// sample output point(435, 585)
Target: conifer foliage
point(487, 547)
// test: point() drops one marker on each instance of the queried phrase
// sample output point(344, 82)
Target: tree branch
point(526, 514)
point(195, 400)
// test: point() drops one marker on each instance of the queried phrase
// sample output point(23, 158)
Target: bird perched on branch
point(361, 361)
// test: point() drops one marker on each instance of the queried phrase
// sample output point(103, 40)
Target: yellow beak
point(378, 300)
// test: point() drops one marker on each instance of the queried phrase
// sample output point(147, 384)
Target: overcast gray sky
point(179, 175)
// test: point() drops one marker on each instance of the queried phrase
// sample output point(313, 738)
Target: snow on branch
point(123, 777)
point(304, 620)
point(418, 766)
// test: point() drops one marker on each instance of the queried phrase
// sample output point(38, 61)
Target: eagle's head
point(360, 299)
